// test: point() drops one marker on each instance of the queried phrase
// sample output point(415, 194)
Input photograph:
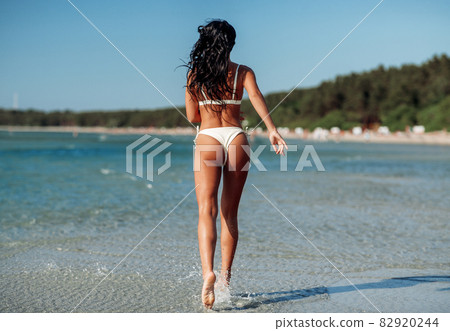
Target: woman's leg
point(233, 184)
point(207, 179)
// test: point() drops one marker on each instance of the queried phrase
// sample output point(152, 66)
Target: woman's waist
point(221, 128)
point(224, 126)
point(205, 124)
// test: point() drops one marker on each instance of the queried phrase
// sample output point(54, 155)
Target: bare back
point(213, 116)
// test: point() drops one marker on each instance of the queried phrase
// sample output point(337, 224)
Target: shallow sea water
point(69, 213)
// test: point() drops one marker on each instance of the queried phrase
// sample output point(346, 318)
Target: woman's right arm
point(258, 102)
point(192, 111)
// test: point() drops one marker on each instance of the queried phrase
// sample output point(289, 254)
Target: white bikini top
point(221, 102)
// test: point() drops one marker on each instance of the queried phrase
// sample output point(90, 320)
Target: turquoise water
point(69, 213)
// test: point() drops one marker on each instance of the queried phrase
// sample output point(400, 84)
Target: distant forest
point(393, 97)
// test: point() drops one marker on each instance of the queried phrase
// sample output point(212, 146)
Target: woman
point(214, 89)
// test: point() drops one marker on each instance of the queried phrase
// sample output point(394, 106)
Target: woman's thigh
point(235, 173)
point(208, 160)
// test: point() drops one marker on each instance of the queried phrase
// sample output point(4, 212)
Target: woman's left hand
point(277, 142)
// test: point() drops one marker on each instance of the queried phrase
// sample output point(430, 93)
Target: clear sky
point(53, 59)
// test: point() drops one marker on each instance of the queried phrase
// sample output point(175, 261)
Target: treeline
point(168, 117)
point(394, 97)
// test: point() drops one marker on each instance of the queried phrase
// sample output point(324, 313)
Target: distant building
point(383, 130)
point(283, 130)
point(357, 131)
point(335, 130)
point(320, 134)
point(299, 131)
point(418, 129)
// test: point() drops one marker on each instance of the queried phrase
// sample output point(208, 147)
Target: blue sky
point(53, 59)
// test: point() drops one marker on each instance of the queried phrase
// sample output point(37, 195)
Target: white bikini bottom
point(224, 135)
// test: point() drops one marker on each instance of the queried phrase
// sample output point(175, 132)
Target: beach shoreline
point(428, 138)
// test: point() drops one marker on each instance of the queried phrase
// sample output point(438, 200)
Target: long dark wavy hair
point(209, 58)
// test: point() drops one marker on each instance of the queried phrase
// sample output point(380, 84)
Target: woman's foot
point(208, 289)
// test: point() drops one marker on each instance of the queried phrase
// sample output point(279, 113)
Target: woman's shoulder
point(244, 69)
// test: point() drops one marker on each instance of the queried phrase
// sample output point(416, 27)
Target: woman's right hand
point(277, 142)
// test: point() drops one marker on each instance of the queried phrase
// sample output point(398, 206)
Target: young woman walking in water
point(214, 90)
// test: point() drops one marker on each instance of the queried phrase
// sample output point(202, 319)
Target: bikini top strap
point(204, 95)
point(234, 85)
point(235, 81)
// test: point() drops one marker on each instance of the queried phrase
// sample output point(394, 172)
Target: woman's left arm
point(192, 111)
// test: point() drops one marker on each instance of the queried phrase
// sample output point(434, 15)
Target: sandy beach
point(428, 138)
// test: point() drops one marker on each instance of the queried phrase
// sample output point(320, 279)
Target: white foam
point(222, 294)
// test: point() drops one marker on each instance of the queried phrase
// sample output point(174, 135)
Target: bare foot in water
point(208, 289)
